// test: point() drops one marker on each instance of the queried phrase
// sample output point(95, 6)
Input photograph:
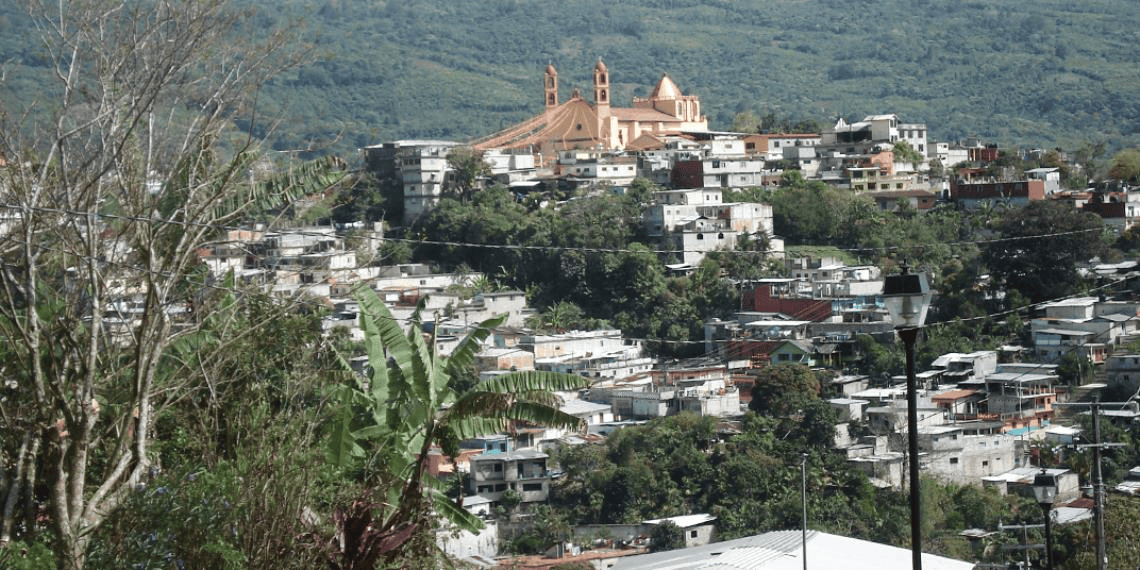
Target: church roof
point(550, 69)
point(642, 114)
point(600, 66)
point(569, 125)
point(665, 89)
point(647, 141)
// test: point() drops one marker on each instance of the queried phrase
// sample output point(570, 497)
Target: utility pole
point(803, 500)
point(1097, 476)
point(1098, 490)
point(1024, 546)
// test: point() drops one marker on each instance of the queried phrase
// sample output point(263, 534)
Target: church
point(580, 124)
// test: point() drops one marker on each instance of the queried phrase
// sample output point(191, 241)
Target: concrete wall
point(462, 544)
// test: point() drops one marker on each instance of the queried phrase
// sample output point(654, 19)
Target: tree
point(746, 122)
point(784, 389)
point(467, 171)
point(666, 536)
point(906, 153)
point(110, 202)
point(389, 422)
point(807, 212)
point(1126, 165)
point(1041, 245)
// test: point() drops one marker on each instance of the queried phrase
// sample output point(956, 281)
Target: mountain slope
point(1046, 73)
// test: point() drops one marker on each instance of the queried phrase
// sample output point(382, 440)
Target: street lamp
point(1045, 489)
point(907, 297)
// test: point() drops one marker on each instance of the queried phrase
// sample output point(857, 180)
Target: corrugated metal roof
point(782, 550)
point(685, 521)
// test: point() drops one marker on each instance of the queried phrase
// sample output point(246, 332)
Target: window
point(692, 534)
point(953, 461)
point(531, 487)
point(498, 467)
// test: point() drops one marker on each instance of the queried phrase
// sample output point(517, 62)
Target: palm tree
point(390, 420)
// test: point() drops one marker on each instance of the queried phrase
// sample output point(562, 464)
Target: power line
point(300, 301)
point(524, 247)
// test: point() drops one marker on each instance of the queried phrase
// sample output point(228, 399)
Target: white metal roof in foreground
point(782, 550)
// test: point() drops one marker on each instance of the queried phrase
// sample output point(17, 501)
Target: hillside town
point(803, 353)
point(982, 416)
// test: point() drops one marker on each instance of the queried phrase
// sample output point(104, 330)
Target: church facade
point(580, 124)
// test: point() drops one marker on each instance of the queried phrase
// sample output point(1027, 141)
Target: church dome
point(600, 66)
point(665, 89)
point(550, 69)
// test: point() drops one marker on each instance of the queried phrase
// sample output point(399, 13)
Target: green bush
point(26, 556)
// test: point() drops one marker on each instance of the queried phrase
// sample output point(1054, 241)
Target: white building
point(419, 167)
point(695, 222)
point(611, 171)
point(523, 471)
point(951, 454)
point(873, 132)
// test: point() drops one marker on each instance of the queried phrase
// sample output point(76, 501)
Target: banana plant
point(392, 416)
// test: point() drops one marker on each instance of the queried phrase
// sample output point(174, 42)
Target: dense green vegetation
point(1060, 74)
point(215, 426)
point(589, 257)
point(751, 482)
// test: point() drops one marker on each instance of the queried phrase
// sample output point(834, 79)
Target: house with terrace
point(1076, 326)
point(1021, 395)
point(696, 221)
point(523, 471)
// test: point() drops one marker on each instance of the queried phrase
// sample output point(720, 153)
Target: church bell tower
point(602, 88)
point(550, 87)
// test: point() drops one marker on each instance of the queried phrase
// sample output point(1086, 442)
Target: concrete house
point(504, 359)
point(1122, 372)
point(1079, 326)
point(1020, 481)
point(775, 146)
point(418, 167)
point(1021, 397)
point(952, 455)
point(718, 172)
point(524, 471)
point(698, 529)
point(958, 367)
point(694, 222)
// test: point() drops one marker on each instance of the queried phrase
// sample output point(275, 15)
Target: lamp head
point(1045, 488)
point(907, 297)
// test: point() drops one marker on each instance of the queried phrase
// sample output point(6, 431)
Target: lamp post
point(907, 297)
point(1045, 489)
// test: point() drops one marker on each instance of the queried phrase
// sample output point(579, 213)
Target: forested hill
point(1042, 73)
